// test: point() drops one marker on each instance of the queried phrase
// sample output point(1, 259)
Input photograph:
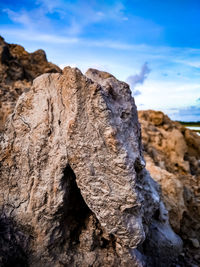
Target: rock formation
point(74, 188)
point(172, 154)
point(18, 68)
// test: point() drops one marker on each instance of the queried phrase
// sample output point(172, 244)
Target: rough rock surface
point(18, 68)
point(73, 182)
point(172, 154)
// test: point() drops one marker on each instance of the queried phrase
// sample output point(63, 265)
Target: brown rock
point(172, 153)
point(73, 177)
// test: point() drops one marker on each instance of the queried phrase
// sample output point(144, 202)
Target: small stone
point(195, 242)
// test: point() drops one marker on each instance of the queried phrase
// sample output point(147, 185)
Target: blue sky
point(152, 44)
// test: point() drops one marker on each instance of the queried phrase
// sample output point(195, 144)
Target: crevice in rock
point(72, 215)
point(76, 210)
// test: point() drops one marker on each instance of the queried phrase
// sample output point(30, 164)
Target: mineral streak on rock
point(73, 176)
point(18, 68)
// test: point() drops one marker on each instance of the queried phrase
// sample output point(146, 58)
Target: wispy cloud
point(19, 17)
point(191, 63)
point(34, 20)
point(51, 6)
point(135, 79)
point(37, 36)
point(79, 17)
point(159, 54)
point(48, 15)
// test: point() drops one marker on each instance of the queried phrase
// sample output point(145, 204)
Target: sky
point(153, 45)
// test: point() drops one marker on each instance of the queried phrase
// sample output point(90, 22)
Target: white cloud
point(166, 95)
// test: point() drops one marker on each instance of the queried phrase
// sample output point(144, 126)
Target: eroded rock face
point(18, 68)
point(73, 177)
point(172, 154)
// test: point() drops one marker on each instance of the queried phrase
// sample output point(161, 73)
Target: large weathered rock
point(18, 68)
point(73, 179)
point(172, 153)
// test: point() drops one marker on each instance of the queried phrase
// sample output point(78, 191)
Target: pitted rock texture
point(73, 176)
point(172, 154)
point(18, 68)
